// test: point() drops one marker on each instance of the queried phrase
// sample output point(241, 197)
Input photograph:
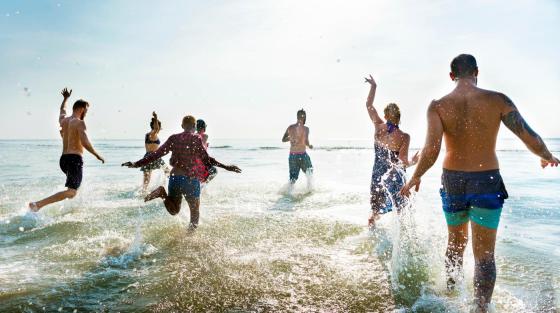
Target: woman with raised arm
point(151, 142)
point(391, 158)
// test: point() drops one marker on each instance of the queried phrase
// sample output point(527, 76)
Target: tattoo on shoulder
point(507, 101)
point(515, 122)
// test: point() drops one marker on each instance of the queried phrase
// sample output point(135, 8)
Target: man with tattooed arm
point(468, 119)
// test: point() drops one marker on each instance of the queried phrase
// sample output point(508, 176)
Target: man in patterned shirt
point(186, 148)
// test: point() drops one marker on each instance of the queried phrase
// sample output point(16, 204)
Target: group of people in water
point(472, 190)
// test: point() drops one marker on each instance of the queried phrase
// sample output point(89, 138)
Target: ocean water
point(259, 248)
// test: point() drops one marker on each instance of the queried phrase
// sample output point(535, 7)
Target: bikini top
point(148, 141)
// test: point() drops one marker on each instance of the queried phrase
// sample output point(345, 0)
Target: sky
point(246, 67)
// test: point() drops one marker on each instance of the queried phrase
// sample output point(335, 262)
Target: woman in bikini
point(152, 142)
point(391, 158)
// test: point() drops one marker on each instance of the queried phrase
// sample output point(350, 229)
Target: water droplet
point(60, 309)
point(21, 228)
point(8, 222)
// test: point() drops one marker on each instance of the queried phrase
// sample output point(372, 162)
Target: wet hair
point(301, 115)
point(463, 65)
point(392, 113)
point(153, 123)
point(200, 125)
point(79, 104)
point(189, 121)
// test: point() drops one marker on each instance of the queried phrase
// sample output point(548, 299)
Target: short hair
point(153, 123)
point(463, 65)
point(301, 114)
point(200, 125)
point(189, 121)
point(79, 104)
point(393, 113)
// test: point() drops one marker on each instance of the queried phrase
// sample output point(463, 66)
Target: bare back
point(70, 131)
point(392, 141)
point(298, 135)
point(471, 119)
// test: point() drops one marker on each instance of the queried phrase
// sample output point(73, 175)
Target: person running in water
point(298, 136)
point(391, 158)
point(186, 148)
point(206, 172)
point(468, 119)
point(74, 141)
point(151, 142)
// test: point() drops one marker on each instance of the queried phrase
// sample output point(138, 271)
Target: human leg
point(484, 242)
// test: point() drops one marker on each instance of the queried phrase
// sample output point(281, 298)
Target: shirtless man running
point(468, 119)
point(298, 136)
point(74, 141)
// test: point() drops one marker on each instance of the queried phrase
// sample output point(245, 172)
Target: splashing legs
point(484, 242)
point(194, 205)
point(146, 181)
point(59, 196)
point(456, 243)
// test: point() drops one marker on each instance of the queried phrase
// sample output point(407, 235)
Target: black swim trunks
point(72, 165)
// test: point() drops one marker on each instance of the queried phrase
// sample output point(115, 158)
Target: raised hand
point(371, 81)
point(100, 158)
point(553, 162)
point(65, 93)
point(154, 115)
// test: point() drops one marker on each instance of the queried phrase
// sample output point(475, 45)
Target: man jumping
point(74, 141)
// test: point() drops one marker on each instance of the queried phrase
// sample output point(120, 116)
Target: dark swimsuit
point(387, 178)
point(72, 165)
point(157, 164)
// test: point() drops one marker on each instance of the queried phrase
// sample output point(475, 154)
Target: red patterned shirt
point(186, 148)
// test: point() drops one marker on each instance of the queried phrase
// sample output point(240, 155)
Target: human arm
point(517, 124)
point(85, 141)
point(160, 152)
point(155, 131)
point(286, 136)
point(307, 138)
point(207, 159)
point(403, 153)
point(430, 152)
point(62, 115)
point(373, 115)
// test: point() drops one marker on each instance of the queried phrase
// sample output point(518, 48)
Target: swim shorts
point(478, 196)
point(72, 165)
point(185, 186)
point(299, 161)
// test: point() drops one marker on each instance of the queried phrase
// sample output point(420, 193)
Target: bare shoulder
point(77, 123)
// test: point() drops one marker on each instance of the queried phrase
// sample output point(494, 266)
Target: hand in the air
point(65, 93)
point(371, 81)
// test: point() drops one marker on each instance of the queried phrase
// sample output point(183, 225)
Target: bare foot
point(33, 207)
point(159, 192)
